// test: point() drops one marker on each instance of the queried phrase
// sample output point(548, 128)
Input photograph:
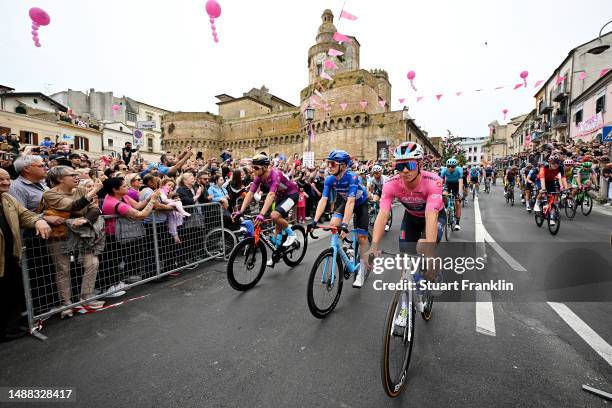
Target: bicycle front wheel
point(554, 220)
point(323, 292)
point(397, 344)
point(570, 208)
point(587, 204)
point(246, 264)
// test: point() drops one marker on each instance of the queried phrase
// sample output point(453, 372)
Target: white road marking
point(482, 233)
point(583, 330)
point(485, 318)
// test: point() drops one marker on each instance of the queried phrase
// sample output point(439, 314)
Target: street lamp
point(602, 47)
point(309, 113)
point(405, 117)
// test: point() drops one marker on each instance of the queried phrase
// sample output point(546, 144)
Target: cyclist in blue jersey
point(475, 178)
point(351, 202)
point(453, 178)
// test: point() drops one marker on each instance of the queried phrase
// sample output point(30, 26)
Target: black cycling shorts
point(413, 229)
point(474, 180)
point(285, 204)
point(361, 217)
point(453, 187)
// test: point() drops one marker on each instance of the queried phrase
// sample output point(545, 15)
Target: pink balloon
point(411, 75)
point(524, 74)
point(505, 111)
point(39, 16)
point(213, 8)
point(116, 108)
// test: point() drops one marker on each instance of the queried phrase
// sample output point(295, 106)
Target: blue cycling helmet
point(340, 156)
point(451, 162)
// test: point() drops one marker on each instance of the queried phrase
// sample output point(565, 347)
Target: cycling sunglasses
point(332, 164)
point(410, 165)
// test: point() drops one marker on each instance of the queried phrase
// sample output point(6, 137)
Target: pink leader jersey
point(427, 196)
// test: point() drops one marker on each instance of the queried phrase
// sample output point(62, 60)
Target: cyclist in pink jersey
point(420, 192)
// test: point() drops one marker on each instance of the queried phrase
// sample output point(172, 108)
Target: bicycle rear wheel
point(246, 264)
point(539, 217)
point(295, 255)
point(397, 344)
point(323, 294)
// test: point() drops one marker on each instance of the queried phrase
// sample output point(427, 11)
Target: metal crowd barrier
point(55, 276)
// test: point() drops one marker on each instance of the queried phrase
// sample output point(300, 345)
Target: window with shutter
point(86, 147)
point(22, 136)
point(77, 142)
point(35, 139)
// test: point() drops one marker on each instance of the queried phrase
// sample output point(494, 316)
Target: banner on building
point(593, 124)
point(67, 138)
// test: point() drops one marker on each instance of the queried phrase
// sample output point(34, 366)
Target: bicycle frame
point(336, 246)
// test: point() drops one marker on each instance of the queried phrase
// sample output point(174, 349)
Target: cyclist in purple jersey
point(280, 190)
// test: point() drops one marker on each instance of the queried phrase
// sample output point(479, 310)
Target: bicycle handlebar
point(327, 229)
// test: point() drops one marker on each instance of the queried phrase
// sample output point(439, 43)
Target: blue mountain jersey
point(348, 186)
point(453, 177)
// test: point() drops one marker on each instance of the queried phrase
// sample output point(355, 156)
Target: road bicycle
point(397, 341)
point(451, 219)
point(487, 188)
point(247, 262)
point(374, 209)
point(510, 194)
point(549, 211)
point(325, 280)
point(584, 200)
point(567, 203)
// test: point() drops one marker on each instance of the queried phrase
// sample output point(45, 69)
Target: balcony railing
point(560, 92)
point(559, 121)
point(544, 107)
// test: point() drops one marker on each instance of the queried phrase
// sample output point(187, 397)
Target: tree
point(451, 148)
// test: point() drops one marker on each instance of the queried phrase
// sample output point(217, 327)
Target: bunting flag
point(329, 64)
point(499, 87)
point(325, 75)
point(538, 83)
point(343, 105)
point(517, 86)
point(363, 104)
point(604, 72)
point(334, 53)
point(420, 98)
point(582, 76)
point(438, 96)
point(382, 103)
point(401, 100)
point(347, 15)
point(560, 79)
point(341, 38)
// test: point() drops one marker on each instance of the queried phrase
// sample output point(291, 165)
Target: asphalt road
point(195, 342)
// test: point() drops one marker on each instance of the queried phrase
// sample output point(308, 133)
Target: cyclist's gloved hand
point(312, 225)
point(260, 218)
point(236, 214)
point(344, 228)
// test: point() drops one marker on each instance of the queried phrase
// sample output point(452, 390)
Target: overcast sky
point(162, 53)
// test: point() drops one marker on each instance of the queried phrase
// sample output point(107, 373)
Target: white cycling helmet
point(408, 150)
point(376, 168)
